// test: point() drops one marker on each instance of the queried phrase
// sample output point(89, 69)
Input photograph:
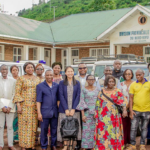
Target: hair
point(49, 70)
point(125, 73)
point(66, 79)
point(89, 76)
point(57, 63)
point(118, 61)
point(82, 64)
point(26, 64)
point(108, 78)
point(14, 66)
point(39, 65)
point(3, 65)
point(148, 65)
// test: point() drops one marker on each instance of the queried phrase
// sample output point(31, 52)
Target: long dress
point(109, 129)
point(126, 121)
point(27, 120)
point(87, 103)
point(63, 115)
point(15, 126)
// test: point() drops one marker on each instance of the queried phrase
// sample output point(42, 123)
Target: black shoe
point(78, 146)
point(148, 141)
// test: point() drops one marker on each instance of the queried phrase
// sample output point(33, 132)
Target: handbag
point(120, 109)
point(69, 127)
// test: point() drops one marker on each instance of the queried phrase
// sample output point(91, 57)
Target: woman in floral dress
point(25, 98)
point(109, 129)
point(87, 106)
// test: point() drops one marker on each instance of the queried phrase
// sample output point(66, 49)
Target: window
point(17, 53)
point(75, 52)
point(99, 51)
point(147, 50)
point(1, 53)
point(35, 54)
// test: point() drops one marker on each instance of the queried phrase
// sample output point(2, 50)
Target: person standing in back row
point(117, 72)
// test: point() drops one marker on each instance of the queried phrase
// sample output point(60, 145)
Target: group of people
point(108, 110)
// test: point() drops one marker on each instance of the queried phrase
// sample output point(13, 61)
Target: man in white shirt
point(7, 108)
point(107, 72)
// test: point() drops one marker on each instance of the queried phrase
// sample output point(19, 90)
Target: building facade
point(111, 32)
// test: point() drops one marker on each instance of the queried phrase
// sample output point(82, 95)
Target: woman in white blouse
point(125, 86)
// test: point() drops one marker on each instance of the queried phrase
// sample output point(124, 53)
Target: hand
point(19, 109)
point(132, 114)
point(40, 118)
point(72, 112)
point(84, 119)
point(124, 114)
point(67, 112)
point(8, 110)
point(4, 109)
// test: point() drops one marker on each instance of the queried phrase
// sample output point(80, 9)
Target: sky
point(13, 6)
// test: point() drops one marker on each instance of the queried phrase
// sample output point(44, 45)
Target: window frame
point(17, 55)
point(91, 49)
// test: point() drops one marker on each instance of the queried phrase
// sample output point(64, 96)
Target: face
point(128, 75)
point(14, 72)
point(69, 73)
point(57, 70)
point(111, 83)
point(39, 70)
point(90, 80)
point(107, 71)
point(49, 76)
point(4, 71)
point(29, 69)
point(82, 69)
point(139, 76)
point(117, 65)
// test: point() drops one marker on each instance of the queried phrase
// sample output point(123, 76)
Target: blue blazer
point(48, 98)
point(63, 96)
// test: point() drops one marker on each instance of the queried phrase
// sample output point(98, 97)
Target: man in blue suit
point(47, 97)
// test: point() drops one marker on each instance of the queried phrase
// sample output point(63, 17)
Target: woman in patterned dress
point(87, 106)
point(15, 71)
point(57, 67)
point(25, 98)
point(125, 86)
point(109, 129)
point(69, 95)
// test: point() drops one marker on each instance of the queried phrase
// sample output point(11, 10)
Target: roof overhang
point(138, 7)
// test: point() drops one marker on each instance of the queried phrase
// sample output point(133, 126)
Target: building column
point(25, 55)
point(53, 55)
point(40, 53)
point(69, 56)
point(119, 49)
point(112, 49)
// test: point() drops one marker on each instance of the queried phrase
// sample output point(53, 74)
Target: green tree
point(100, 5)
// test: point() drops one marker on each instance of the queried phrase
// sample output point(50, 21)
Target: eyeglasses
point(82, 68)
point(39, 69)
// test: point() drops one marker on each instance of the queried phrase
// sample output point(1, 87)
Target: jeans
point(144, 117)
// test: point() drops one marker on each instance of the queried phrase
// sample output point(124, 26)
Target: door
point(146, 53)
point(47, 57)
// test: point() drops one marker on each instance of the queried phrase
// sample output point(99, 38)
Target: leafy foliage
point(43, 12)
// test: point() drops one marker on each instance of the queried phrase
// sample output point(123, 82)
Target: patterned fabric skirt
point(15, 127)
point(27, 123)
point(60, 118)
point(88, 131)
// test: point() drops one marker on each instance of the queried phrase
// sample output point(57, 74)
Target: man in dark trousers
point(47, 92)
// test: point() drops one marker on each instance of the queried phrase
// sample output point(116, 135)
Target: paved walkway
point(39, 148)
